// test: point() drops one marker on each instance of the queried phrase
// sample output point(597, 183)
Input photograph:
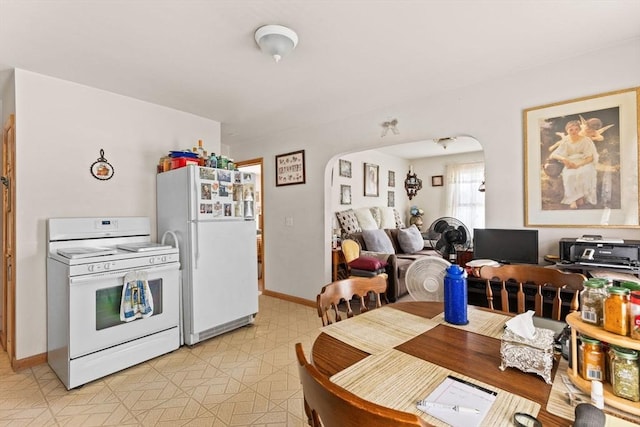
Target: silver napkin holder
point(529, 355)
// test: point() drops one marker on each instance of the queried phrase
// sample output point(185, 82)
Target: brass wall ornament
point(101, 169)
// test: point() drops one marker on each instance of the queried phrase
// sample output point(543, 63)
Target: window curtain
point(464, 201)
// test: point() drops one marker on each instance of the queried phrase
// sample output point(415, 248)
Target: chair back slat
point(343, 291)
point(329, 405)
point(535, 278)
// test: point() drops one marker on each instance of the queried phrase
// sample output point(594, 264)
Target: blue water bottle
point(455, 295)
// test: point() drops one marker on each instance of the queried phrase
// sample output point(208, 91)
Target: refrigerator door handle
point(196, 243)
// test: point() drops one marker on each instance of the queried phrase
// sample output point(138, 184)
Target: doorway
point(7, 297)
point(255, 166)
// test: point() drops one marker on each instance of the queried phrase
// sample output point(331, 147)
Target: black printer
point(601, 252)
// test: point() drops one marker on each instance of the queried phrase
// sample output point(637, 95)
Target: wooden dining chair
point(532, 282)
point(343, 291)
point(329, 405)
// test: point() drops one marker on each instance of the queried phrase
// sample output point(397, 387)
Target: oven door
point(94, 309)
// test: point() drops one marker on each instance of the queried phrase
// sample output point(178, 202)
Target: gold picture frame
point(581, 162)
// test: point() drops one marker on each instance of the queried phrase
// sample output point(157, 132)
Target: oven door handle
point(80, 280)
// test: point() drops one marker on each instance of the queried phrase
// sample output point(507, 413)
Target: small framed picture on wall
point(345, 168)
point(345, 194)
point(392, 179)
point(391, 199)
point(437, 181)
point(371, 180)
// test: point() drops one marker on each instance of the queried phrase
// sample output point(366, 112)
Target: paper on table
point(456, 391)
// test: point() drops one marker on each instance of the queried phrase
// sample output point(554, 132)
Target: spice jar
point(616, 310)
point(592, 300)
point(592, 359)
point(625, 374)
point(634, 315)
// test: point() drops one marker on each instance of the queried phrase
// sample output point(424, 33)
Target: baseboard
point(29, 362)
point(290, 298)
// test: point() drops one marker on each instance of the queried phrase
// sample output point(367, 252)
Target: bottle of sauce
point(592, 298)
point(616, 310)
point(634, 315)
point(592, 359)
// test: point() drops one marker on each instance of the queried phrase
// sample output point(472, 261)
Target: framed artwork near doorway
point(345, 194)
point(345, 168)
point(581, 162)
point(290, 168)
point(371, 180)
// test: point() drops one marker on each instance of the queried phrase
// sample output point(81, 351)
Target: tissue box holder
point(535, 355)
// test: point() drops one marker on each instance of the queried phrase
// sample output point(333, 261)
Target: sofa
point(381, 233)
point(398, 261)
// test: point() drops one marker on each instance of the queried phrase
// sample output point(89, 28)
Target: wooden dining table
point(470, 354)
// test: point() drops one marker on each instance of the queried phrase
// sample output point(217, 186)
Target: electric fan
point(425, 278)
point(451, 235)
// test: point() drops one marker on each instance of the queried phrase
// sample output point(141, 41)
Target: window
point(464, 201)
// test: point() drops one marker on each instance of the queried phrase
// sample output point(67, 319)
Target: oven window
point(108, 304)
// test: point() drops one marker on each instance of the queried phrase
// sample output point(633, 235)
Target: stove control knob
point(107, 266)
point(152, 260)
point(163, 258)
point(90, 268)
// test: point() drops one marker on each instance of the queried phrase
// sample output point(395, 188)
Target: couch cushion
point(410, 240)
point(348, 221)
point(365, 219)
point(377, 241)
point(388, 218)
point(367, 263)
point(393, 235)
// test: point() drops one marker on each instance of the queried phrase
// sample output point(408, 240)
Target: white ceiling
point(354, 57)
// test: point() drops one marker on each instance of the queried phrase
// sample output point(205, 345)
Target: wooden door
point(257, 163)
point(7, 333)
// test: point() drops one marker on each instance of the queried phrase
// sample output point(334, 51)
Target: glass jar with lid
point(592, 367)
point(634, 315)
point(616, 310)
point(625, 378)
point(592, 301)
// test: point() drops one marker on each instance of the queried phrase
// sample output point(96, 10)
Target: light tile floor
point(247, 377)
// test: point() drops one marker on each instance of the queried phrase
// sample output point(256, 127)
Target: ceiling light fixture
point(445, 141)
point(276, 40)
point(390, 124)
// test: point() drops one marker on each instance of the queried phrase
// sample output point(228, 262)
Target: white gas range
point(90, 260)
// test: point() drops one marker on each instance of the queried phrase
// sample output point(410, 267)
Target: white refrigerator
point(211, 212)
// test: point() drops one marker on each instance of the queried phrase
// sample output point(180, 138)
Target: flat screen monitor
point(506, 246)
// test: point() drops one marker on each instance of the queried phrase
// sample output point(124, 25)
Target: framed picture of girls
point(581, 162)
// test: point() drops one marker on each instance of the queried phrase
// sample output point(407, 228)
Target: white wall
point(386, 163)
point(298, 257)
point(60, 129)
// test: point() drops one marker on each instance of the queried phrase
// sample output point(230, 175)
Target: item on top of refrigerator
point(183, 153)
point(178, 162)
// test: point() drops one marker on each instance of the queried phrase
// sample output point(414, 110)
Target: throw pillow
point(377, 216)
point(410, 240)
point(399, 221)
point(367, 263)
point(365, 219)
point(348, 221)
point(388, 219)
point(377, 241)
